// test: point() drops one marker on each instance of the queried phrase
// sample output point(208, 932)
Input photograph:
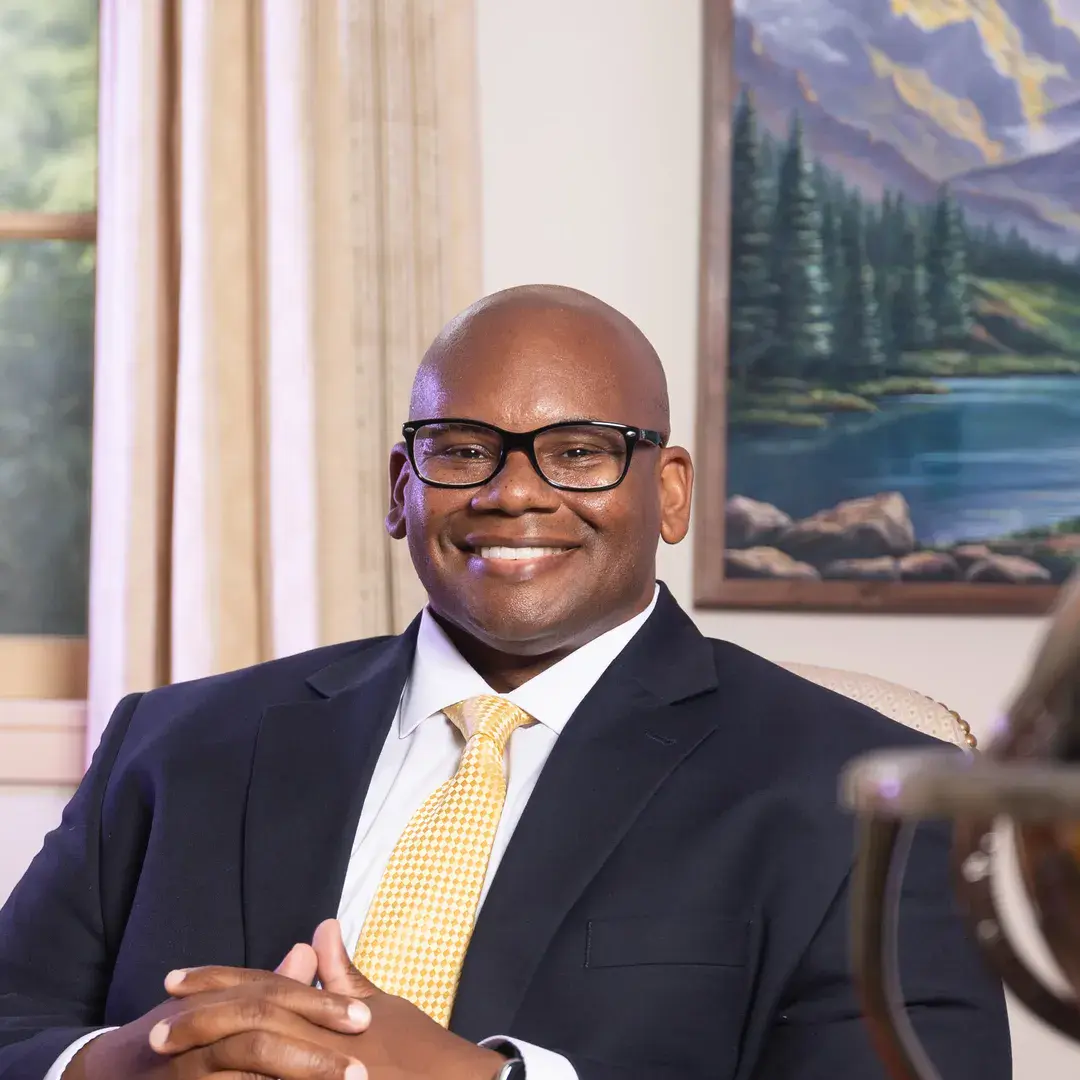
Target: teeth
point(518, 553)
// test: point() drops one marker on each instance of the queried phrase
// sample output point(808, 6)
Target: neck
point(505, 671)
point(502, 671)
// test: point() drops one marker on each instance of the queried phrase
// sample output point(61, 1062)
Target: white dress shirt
point(422, 750)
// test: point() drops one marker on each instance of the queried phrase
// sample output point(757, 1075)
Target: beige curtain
point(288, 212)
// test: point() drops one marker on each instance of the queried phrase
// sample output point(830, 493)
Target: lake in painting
point(990, 458)
point(903, 353)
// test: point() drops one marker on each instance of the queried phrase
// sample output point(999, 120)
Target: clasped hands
point(236, 1024)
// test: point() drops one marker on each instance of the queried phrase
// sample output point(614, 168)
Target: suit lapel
point(312, 765)
point(621, 744)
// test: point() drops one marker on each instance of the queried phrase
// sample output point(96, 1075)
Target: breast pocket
point(670, 940)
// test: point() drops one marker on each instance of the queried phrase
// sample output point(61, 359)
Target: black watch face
point(516, 1071)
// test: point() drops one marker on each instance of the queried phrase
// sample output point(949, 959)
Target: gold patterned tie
point(419, 924)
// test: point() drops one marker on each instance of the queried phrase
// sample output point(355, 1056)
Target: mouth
point(514, 559)
point(519, 554)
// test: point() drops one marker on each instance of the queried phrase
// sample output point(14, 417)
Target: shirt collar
point(441, 676)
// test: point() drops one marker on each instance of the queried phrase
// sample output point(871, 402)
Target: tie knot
point(493, 717)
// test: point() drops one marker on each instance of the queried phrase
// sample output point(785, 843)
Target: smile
point(520, 553)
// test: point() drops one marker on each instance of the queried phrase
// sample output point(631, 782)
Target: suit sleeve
point(55, 964)
point(955, 1003)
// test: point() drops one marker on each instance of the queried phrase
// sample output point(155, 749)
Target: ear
point(399, 477)
point(676, 493)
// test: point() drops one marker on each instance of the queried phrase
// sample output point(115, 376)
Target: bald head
point(557, 327)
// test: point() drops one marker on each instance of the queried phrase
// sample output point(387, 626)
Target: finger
point(300, 964)
point(313, 1004)
point(209, 1019)
point(208, 1023)
point(268, 1054)
point(302, 998)
point(336, 971)
point(182, 982)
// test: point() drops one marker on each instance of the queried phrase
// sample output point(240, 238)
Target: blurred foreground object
point(1029, 776)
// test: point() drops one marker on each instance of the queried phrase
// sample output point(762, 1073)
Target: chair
point(897, 702)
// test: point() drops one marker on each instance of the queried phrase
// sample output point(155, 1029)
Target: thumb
point(336, 972)
point(300, 964)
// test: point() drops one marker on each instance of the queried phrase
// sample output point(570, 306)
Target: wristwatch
point(514, 1069)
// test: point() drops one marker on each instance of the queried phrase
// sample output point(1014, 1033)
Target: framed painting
point(889, 384)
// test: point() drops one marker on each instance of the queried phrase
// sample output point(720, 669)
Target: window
point(48, 165)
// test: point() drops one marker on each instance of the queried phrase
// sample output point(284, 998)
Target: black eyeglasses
point(573, 455)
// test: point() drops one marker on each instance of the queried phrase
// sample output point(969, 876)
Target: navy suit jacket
point(673, 904)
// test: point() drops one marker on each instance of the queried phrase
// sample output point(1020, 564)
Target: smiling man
point(551, 831)
point(535, 532)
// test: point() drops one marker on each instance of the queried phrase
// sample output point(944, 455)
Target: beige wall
point(590, 141)
point(41, 747)
point(26, 815)
point(591, 117)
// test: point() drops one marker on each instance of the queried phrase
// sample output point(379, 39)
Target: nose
point(516, 489)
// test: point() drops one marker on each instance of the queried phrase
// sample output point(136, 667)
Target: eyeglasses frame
point(525, 441)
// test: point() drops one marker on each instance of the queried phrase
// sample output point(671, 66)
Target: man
point(651, 881)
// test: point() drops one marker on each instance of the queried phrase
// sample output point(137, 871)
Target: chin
point(521, 636)
point(522, 629)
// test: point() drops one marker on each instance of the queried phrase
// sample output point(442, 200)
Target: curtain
point(288, 212)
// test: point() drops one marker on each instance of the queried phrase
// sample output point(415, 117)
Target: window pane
point(46, 355)
point(48, 84)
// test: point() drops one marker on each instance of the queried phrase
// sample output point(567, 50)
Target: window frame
point(42, 743)
point(48, 225)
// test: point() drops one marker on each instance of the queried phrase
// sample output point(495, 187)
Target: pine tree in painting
point(882, 253)
point(950, 285)
point(913, 327)
point(798, 271)
point(858, 347)
point(831, 254)
point(752, 311)
point(885, 300)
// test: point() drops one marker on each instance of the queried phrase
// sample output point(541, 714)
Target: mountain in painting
point(908, 94)
point(1052, 177)
point(1063, 122)
point(779, 92)
point(1049, 30)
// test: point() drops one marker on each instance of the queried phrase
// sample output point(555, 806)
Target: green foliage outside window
point(48, 140)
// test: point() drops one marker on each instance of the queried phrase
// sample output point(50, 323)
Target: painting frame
point(711, 587)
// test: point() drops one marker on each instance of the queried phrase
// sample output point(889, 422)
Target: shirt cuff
point(540, 1064)
point(65, 1059)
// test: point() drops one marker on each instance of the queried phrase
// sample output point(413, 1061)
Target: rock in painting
point(884, 568)
point(967, 555)
point(929, 566)
point(867, 528)
point(1067, 544)
point(749, 523)
point(1008, 570)
point(766, 562)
